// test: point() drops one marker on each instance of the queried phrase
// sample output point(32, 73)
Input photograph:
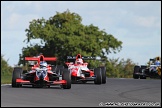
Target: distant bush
point(5, 68)
point(120, 68)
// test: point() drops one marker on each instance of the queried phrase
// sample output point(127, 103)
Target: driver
point(157, 62)
point(79, 61)
point(43, 64)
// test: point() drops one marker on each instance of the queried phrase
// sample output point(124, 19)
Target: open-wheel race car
point(81, 73)
point(152, 70)
point(41, 74)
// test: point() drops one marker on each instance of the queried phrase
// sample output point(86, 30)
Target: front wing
point(26, 82)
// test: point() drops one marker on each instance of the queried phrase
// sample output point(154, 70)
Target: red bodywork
point(33, 72)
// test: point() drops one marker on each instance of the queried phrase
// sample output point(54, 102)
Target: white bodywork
point(153, 67)
point(78, 69)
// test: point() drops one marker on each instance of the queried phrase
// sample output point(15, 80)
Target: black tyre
point(143, 70)
point(33, 86)
point(136, 70)
point(135, 76)
point(143, 67)
point(142, 77)
point(66, 76)
point(98, 74)
point(103, 70)
point(16, 74)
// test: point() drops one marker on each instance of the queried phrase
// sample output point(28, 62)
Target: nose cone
point(73, 74)
point(41, 74)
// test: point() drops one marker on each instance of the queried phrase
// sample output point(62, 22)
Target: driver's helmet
point(79, 61)
point(43, 64)
point(157, 63)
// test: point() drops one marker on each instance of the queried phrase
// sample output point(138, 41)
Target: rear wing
point(73, 58)
point(152, 59)
point(40, 58)
point(79, 56)
point(84, 58)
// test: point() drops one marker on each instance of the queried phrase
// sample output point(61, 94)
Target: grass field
point(6, 79)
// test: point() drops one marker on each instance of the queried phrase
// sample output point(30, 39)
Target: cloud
point(138, 39)
point(146, 21)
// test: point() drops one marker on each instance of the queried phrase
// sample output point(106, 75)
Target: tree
point(63, 34)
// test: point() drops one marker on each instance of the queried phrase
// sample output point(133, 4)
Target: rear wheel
point(98, 79)
point(66, 76)
point(142, 70)
point(136, 70)
point(16, 74)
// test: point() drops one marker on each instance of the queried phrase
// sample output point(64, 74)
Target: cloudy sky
point(136, 23)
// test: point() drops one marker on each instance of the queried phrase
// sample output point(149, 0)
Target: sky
point(136, 23)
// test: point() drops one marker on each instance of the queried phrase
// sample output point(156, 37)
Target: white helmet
point(43, 64)
point(79, 61)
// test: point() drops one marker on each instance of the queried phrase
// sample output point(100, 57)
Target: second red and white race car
point(81, 73)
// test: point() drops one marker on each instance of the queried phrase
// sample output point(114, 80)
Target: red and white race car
point(41, 74)
point(81, 73)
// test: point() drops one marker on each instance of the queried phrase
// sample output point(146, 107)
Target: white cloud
point(146, 21)
point(138, 39)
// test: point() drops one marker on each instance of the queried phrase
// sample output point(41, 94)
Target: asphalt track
point(85, 95)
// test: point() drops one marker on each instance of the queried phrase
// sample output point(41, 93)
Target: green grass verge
point(6, 79)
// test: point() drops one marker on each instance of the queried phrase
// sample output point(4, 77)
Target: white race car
point(81, 73)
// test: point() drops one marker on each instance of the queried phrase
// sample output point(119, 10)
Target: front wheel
point(103, 70)
point(66, 76)
point(98, 74)
point(15, 75)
